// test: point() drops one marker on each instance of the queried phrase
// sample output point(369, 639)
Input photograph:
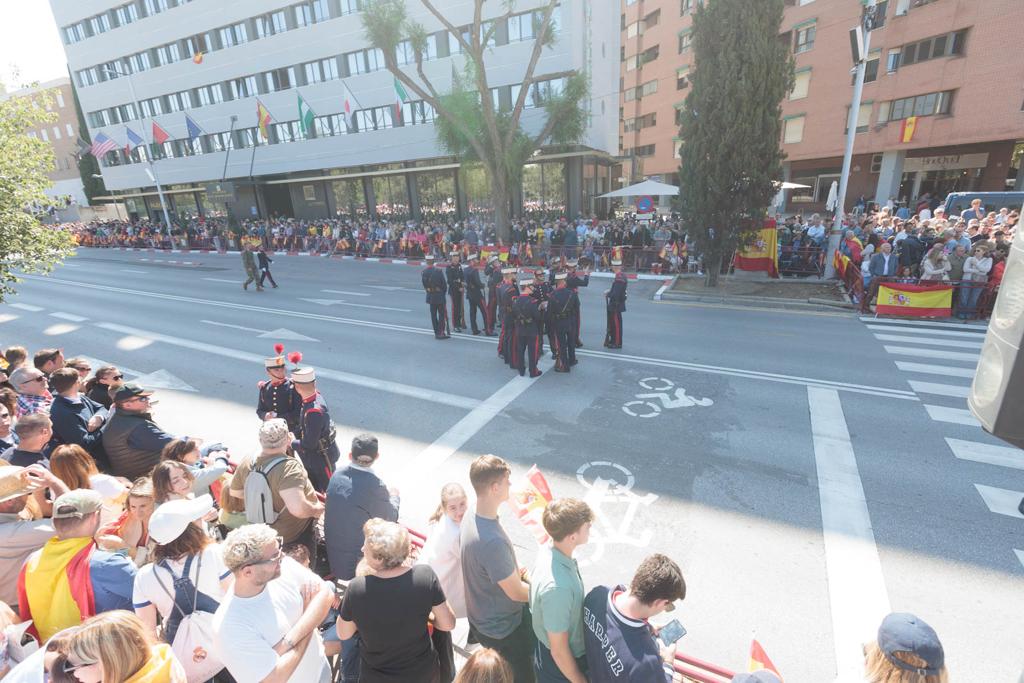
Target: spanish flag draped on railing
point(840, 262)
point(763, 252)
point(501, 252)
point(920, 301)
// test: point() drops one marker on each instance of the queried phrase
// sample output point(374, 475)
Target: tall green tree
point(26, 244)
point(469, 125)
point(732, 125)
point(88, 167)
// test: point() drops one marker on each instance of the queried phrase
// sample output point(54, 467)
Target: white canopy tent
point(650, 188)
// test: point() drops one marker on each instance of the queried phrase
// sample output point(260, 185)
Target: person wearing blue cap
point(906, 650)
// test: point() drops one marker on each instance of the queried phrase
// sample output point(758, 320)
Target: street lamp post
point(152, 166)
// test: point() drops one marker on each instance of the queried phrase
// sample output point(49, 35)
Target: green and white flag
point(305, 117)
point(401, 97)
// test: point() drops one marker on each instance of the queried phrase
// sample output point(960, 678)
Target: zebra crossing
point(945, 357)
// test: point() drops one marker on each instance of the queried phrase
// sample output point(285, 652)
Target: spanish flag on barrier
point(908, 128)
point(616, 253)
point(529, 500)
point(59, 593)
point(763, 252)
point(759, 659)
point(502, 253)
point(896, 298)
point(840, 262)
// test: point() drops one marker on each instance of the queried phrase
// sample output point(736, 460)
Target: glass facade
point(391, 193)
point(437, 194)
point(349, 199)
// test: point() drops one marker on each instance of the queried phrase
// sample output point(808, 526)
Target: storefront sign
point(945, 162)
point(220, 192)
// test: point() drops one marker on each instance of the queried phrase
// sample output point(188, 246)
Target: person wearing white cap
point(436, 287)
point(616, 304)
point(526, 313)
point(277, 395)
point(456, 278)
point(493, 272)
point(507, 292)
point(317, 448)
point(475, 294)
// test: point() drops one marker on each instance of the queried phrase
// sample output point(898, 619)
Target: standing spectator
point(882, 266)
point(131, 438)
point(99, 385)
point(266, 626)
point(33, 395)
point(976, 211)
point(905, 649)
point(956, 263)
point(976, 269)
point(54, 584)
point(816, 230)
point(442, 551)
point(34, 433)
point(390, 608)
point(556, 594)
point(485, 666)
point(355, 494)
point(115, 647)
point(911, 252)
point(618, 638)
point(936, 265)
point(76, 419)
point(19, 538)
point(496, 595)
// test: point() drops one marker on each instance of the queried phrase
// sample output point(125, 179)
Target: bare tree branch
point(538, 48)
point(447, 24)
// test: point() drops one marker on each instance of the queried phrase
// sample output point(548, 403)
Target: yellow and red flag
point(529, 500)
point(759, 659)
point(263, 119)
point(55, 587)
point(908, 128)
point(616, 253)
point(763, 252)
point(197, 58)
point(920, 301)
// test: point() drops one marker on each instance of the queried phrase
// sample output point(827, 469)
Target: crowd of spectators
point(141, 556)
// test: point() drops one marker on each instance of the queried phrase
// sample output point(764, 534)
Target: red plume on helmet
point(295, 357)
point(278, 348)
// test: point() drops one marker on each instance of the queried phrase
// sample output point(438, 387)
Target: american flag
point(102, 144)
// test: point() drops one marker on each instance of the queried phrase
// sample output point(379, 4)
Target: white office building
point(136, 63)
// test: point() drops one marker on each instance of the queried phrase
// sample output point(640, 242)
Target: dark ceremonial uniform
point(477, 302)
point(563, 309)
point(316, 447)
point(456, 289)
point(279, 397)
point(616, 300)
point(526, 314)
point(435, 286)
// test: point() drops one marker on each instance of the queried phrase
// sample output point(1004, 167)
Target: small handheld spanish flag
point(759, 659)
point(197, 58)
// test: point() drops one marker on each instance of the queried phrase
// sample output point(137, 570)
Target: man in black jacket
point(475, 294)
point(456, 290)
point(435, 286)
point(131, 438)
point(527, 316)
point(76, 419)
point(912, 253)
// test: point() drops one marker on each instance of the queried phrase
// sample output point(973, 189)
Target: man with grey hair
point(33, 393)
point(266, 626)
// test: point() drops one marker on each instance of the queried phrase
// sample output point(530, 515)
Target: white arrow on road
point(161, 379)
point(342, 302)
point(389, 288)
point(281, 333)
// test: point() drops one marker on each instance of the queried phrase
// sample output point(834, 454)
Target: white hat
point(304, 376)
point(616, 262)
point(508, 271)
point(561, 276)
point(170, 519)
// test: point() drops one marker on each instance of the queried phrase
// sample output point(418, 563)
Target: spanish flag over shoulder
point(759, 659)
point(58, 593)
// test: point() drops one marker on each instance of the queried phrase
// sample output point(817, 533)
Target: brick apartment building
point(952, 63)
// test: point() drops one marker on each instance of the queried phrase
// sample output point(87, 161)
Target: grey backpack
point(259, 500)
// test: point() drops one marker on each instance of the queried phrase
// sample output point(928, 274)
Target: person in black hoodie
point(77, 419)
point(911, 252)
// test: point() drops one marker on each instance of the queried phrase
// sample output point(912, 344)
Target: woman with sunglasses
point(114, 647)
point(98, 386)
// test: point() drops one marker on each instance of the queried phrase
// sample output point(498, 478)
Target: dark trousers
point(546, 667)
point(492, 309)
point(265, 275)
point(458, 315)
point(613, 335)
point(478, 306)
point(517, 648)
point(576, 321)
point(565, 348)
point(527, 346)
point(319, 466)
point(439, 319)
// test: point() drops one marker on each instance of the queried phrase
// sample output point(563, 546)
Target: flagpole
point(252, 161)
point(152, 167)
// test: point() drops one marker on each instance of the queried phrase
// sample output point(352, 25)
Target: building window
point(682, 77)
point(99, 24)
point(243, 87)
point(801, 84)
point(921, 105)
point(126, 14)
point(287, 131)
point(404, 54)
point(74, 33)
point(870, 69)
point(640, 122)
point(233, 35)
point(303, 15)
point(69, 130)
point(320, 11)
point(168, 54)
point(642, 151)
point(804, 38)
point(936, 47)
point(863, 118)
point(44, 135)
point(521, 27)
point(155, 7)
point(86, 77)
point(210, 94)
point(685, 38)
point(271, 24)
point(892, 62)
point(364, 61)
point(793, 129)
point(417, 113)
point(377, 118)
point(685, 7)
point(279, 79)
point(321, 70)
point(56, 133)
point(139, 62)
point(196, 44)
point(351, 6)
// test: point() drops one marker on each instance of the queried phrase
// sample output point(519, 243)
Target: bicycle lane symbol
point(609, 489)
point(645, 407)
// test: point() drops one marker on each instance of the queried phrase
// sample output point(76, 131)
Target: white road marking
point(925, 323)
point(139, 272)
point(1001, 456)
point(1001, 501)
point(161, 379)
point(220, 279)
point(934, 369)
point(7, 317)
point(342, 291)
point(340, 302)
point(931, 353)
point(1020, 555)
point(856, 586)
point(952, 343)
point(345, 377)
point(389, 288)
point(281, 333)
point(69, 316)
point(914, 330)
point(951, 390)
point(26, 307)
point(234, 327)
point(960, 416)
point(60, 328)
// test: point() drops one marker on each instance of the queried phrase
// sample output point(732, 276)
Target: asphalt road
point(805, 482)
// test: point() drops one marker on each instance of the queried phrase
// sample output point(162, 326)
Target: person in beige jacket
point(976, 269)
point(935, 265)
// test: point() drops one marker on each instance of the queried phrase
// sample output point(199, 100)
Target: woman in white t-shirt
point(180, 538)
point(442, 550)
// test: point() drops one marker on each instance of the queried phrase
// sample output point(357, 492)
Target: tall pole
point(231, 143)
point(152, 167)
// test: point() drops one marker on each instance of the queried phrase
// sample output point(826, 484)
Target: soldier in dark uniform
point(541, 292)
point(575, 281)
point(493, 273)
point(507, 291)
point(475, 294)
point(526, 313)
point(616, 301)
point(278, 397)
point(563, 307)
point(316, 447)
point(434, 284)
point(456, 290)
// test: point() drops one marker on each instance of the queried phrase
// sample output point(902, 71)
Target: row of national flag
point(103, 143)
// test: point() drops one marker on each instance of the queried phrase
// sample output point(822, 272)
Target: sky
point(30, 47)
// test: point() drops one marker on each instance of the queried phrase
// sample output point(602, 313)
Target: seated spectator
point(130, 531)
point(115, 647)
point(485, 666)
point(206, 470)
point(99, 386)
point(442, 551)
point(34, 433)
point(355, 494)
point(496, 595)
point(390, 609)
point(48, 361)
point(77, 470)
point(556, 594)
point(172, 480)
point(82, 367)
point(76, 419)
point(293, 499)
point(8, 439)
point(16, 357)
point(618, 638)
point(906, 650)
point(131, 438)
point(54, 584)
point(20, 537)
point(266, 626)
point(33, 395)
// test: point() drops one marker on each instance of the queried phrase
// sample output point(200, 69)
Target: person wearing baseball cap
point(132, 439)
point(905, 645)
point(316, 448)
point(55, 583)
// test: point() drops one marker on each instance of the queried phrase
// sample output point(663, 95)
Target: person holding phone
point(620, 643)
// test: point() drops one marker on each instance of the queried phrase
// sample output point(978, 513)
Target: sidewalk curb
point(761, 301)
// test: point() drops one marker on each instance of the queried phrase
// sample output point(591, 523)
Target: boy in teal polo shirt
point(556, 595)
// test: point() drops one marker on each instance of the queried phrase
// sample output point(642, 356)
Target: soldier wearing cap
point(456, 288)
point(527, 314)
point(475, 294)
point(616, 304)
point(575, 281)
point(493, 273)
point(507, 291)
point(277, 395)
point(541, 292)
point(563, 308)
point(436, 287)
point(316, 447)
